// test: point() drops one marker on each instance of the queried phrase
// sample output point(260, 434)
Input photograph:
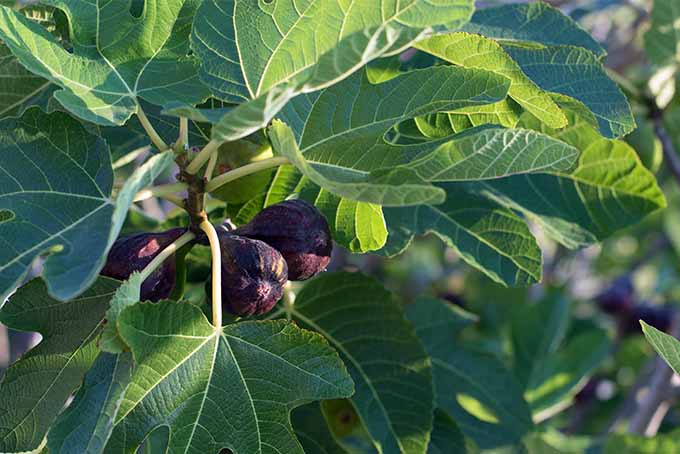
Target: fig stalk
point(165, 253)
point(216, 256)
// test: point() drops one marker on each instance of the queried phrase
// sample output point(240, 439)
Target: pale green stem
point(201, 158)
point(215, 252)
point(288, 300)
point(165, 253)
point(159, 191)
point(150, 131)
point(183, 138)
point(210, 168)
point(243, 171)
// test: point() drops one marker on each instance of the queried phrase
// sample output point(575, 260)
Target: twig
point(165, 253)
point(244, 170)
point(215, 252)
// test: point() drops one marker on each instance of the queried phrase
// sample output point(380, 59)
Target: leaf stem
point(150, 131)
point(245, 170)
point(210, 168)
point(183, 138)
point(288, 300)
point(159, 191)
point(165, 253)
point(215, 252)
point(200, 159)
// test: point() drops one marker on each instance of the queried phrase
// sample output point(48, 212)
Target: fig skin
point(133, 253)
point(299, 231)
point(253, 275)
point(660, 317)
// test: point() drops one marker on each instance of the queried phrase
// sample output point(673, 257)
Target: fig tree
point(133, 253)
point(299, 231)
point(253, 275)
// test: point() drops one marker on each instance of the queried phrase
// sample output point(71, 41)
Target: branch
point(215, 252)
point(243, 171)
point(150, 131)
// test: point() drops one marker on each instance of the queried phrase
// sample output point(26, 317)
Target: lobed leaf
point(230, 388)
point(34, 390)
point(386, 361)
point(116, 57)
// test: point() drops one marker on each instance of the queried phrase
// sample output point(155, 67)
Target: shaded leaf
point(85, 426)
point(474, 387)
point(386, 361)
point(34, 390)
point(662, 38)
point(312, 431)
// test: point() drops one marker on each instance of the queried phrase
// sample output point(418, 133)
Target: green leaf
point(246, 49)
point(312, 431)
point(475, 51)
point(34, 390)
point(474, 387)
point(664, 443)
point(56, 185)
point(562, 375)
point(537, 330)
point(56, 198)
point(116, 57)
point(578, 74)
point(230, 388)
point(662, 39)
point(358, 226)
point(388, 187)
point(491, 152)
point(607, 190)
point(128, 294)
point(536, 21)
point(447, 437)
point(386, 361)
point(665, 345)
point(85, 426)
point(485, 234)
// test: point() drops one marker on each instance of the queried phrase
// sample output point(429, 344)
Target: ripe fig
point(618, 298)
point(133, 253)
point(299, 231)
point(253, 275)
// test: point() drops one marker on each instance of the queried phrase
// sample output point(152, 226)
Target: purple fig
point(299, 231)
point(253, 275)
point(133, 253)
point(618, 298)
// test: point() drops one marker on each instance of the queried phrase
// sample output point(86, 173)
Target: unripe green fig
point(133, 253)
point(299, 231)
point(253, 275)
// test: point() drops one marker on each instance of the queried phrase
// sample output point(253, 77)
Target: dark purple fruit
point(133, 253)
point(299, 231)
point(253, 275)
point(618, 298)
point(660, 317)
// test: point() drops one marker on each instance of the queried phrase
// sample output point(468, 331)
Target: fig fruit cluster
point(619, 301)
point(287, 241)
point(290, 240)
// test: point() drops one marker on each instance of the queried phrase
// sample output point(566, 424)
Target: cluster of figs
point(290, 240)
